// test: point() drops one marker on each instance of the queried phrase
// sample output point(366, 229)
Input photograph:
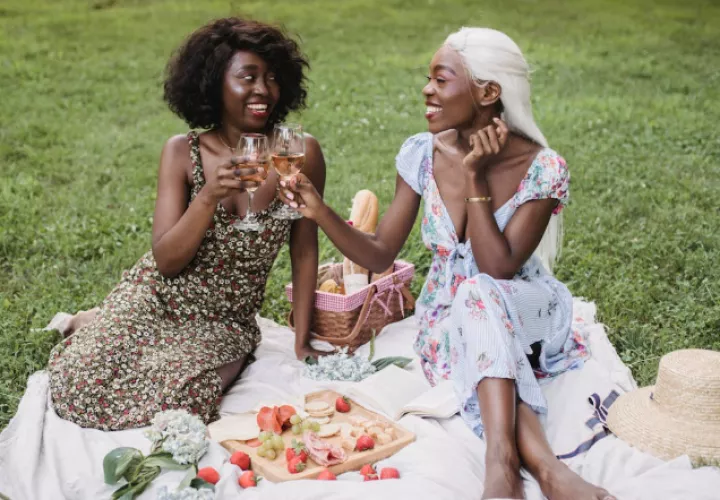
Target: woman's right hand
point(300, 194)
point(226, 179)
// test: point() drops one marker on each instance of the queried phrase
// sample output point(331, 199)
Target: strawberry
point(326, 475)
point(296, 465)
point(209, 474)
point(241, 459)
point(370, 477)
point(364, 442)
point(367, 470)
point(342, 404)
point(389, 473)
point(248, 479)
point(296, 450)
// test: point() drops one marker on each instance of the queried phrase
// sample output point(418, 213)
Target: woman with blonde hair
point(492, 317)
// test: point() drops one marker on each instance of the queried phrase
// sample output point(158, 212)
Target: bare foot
point(560, 483)
point(502, 475)
point(80, 319)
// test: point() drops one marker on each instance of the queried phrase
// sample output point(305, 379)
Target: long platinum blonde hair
point(491, 55)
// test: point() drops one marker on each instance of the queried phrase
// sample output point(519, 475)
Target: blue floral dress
point(473, 326)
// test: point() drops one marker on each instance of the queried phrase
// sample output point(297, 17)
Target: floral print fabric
point(473, 326)
point(156, 343)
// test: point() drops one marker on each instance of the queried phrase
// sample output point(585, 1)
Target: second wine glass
point(288, 158)
point(254, 153)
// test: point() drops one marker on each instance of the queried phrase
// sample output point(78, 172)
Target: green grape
point(278, 443)
point(260, 452)
point(295, 419)
point(315, 426)
point(296, 429)
point(306, 425)
point(265, 446)
point(270, 454)
point(264, 435)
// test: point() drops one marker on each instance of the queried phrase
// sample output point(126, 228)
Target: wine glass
point(288, 158)
point(253, 152)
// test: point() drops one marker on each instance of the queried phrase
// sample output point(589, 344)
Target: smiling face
point(250, 92)
point(448, 94)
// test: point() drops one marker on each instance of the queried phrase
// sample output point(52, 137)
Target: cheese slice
point(239, 427)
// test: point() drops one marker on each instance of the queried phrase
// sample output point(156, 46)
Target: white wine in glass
point(288, 159)
point(253, 151)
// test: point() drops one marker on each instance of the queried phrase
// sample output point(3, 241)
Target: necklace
point(232, 150)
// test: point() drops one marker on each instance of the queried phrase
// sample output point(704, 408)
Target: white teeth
point(433, 109)
point(258, 107)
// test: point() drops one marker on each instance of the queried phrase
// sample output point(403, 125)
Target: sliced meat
point(322, 452)
point(268, 419)
point(253, 443)
point(285, 412)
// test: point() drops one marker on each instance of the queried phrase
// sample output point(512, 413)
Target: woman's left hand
point(486, 144)
point(307, 351)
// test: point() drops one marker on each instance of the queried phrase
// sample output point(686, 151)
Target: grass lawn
point(627, 90)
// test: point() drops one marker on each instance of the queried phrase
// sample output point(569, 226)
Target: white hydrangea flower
point(185, 494)
point(180, 434)
point(340, 366)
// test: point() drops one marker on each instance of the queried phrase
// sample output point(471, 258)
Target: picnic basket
point(349, 320)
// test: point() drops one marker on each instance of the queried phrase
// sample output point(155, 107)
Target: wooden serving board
point(276, 470)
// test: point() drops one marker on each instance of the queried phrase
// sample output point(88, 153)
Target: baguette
point(364, 217)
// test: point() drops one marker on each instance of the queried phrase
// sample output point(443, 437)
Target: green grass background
point(628, 91)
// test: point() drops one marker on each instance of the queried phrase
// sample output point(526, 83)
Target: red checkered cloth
point(403, 272)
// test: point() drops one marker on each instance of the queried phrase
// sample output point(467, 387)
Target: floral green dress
point(157, 342)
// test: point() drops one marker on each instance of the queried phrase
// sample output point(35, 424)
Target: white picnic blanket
point(43, 457)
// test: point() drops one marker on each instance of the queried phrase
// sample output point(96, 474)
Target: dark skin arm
point(179, 228)
point(498, 254)
point(304, 255)
point(375, 252)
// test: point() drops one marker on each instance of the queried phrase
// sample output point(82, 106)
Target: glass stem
point(250, 213)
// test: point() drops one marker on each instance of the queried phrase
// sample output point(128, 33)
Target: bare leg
point(556, 480)
point(80, 319)
point(229, 372)
point(502, 462)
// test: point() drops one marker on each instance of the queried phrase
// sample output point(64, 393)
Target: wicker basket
point(349, 320)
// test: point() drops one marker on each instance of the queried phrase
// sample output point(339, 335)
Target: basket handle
point(409, 304)
point(356, 329)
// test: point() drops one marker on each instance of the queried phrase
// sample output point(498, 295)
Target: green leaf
point(310, 360)
point(164, 460)
point(199, 483)
point(398, 361)
point(372, 346)
point(117, 462)
point(191, 474)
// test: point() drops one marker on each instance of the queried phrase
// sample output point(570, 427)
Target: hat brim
point(636, 419)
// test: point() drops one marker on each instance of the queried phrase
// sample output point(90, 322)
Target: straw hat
point(680, 414)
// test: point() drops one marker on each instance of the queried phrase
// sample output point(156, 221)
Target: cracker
point(328, 430)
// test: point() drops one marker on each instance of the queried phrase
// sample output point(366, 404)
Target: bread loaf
point(364, 217)
point(330, 286)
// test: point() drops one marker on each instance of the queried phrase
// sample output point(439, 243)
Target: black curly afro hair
point(194, 77)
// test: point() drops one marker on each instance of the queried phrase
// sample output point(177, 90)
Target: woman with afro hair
point(180, 326)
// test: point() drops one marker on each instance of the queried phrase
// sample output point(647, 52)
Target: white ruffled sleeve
point(413, 159)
